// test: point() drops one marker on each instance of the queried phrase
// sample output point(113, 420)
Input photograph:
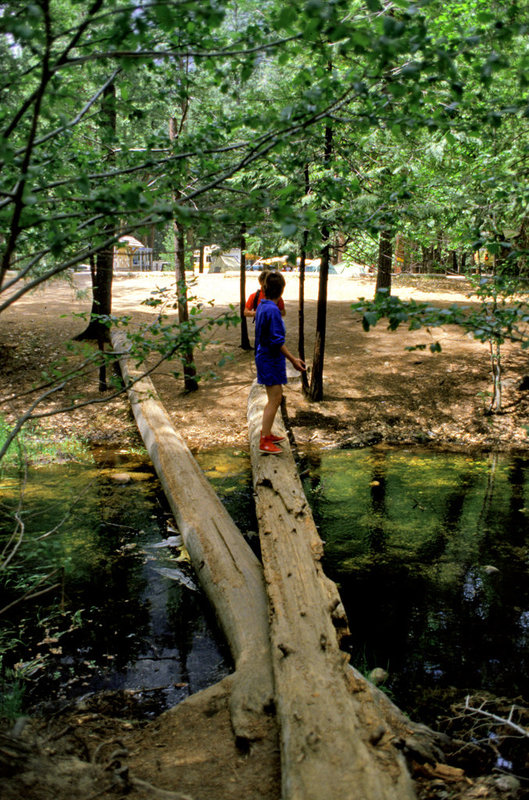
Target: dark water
point(430, 551)
point(139, 621)
point(431, 554)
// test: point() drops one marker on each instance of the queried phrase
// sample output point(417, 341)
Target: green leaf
point(369, 320)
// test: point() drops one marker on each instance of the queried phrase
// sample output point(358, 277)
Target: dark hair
point(262, 275)
point(274, 285)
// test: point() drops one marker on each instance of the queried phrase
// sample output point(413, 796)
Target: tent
point(224, 263)
point(351, 270)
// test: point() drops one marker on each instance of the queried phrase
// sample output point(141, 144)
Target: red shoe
point(275, 438)
point(266, 445)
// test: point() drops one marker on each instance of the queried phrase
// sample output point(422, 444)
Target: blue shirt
point(269, 336)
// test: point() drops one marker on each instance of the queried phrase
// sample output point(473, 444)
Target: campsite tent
point(351, 270)
point(223, 263)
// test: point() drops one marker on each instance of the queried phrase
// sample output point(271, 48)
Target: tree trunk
point(339, 248)
point(384, 261)
point(401, 264)
point(190, 381)
point(427, 259)
point(495, 363)
point(316, 382)
point(301, 311)
point(245, 339)
point(228, 571)
point(330, 748)
point(201, 259)
point(104, 265)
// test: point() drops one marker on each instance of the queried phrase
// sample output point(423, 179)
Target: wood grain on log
point(330, 748)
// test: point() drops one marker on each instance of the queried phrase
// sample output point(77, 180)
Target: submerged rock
point(378, 676)
point(121, 477)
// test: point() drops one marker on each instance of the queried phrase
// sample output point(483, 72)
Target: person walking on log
point(270, 357)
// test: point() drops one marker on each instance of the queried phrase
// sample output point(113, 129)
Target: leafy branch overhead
point(500, 315)
point(255, 85)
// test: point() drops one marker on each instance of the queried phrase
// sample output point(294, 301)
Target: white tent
point(350, 270)
point(224, 263)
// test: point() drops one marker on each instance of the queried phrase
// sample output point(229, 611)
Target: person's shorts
point(271, 370)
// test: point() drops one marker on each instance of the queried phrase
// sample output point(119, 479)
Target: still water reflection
point(139, 620)
point(431, 553)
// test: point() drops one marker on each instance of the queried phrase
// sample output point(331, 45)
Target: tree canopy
point(427, 102)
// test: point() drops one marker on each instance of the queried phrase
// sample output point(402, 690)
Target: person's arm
point(249, 310)
point(281, 307)
point(297, 363)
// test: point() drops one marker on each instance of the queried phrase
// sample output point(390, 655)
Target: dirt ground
point(375, 391)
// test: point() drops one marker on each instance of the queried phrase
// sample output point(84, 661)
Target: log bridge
point(340, 737)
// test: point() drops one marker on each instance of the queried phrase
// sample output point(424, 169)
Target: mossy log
point(227, 569)
point(332, 745)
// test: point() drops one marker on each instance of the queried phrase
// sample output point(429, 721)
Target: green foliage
point(412, 95)
point(11, 691)
point(502, 315)
point(37, 445)
point(324, 116)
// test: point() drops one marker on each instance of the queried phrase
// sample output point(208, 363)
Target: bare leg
point(274, 394)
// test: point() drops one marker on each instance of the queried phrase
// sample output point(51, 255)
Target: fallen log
point(332, 744)
point(227, 569)
point(232, 579)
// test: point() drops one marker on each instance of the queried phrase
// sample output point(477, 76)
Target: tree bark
point(316, 382)
point(190, 381)
point(384, 261)
point(229, 572)
point(104, 265)
point(329, 747)
point(301, 311)
point(245, 339)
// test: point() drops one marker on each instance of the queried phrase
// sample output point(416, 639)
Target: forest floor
point(375, 391)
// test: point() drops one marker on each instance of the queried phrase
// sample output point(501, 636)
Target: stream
point(430, 552)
